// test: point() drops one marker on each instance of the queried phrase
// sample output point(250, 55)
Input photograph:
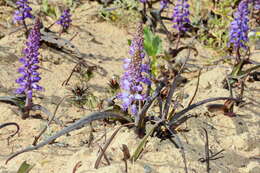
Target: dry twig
point(101, 154)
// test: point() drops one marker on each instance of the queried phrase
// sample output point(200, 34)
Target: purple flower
point(181, 15)
point(65, 20)
point(163, 4)
point(30, 77)
point(257, 5)
point(23, 12)
point(134, 77)
point(239, 26)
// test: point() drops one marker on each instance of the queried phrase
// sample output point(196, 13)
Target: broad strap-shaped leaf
point(14, 100)
point(77, 125)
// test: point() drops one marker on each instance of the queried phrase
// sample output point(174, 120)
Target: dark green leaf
point(129, 42)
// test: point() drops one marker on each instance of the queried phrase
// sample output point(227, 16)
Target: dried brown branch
point(11, 124)
point(101, 154)
point(79, 164)
point(127, 156)
point(105, 156)
point(196, 90)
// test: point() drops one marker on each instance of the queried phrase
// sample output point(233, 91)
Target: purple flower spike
point(239, 27)
point(30, 77)
point(132, 81)
point(181, 15)
point(23, 12)
point(65, 20)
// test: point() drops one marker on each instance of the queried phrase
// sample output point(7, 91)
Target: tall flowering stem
point(239, 28)
point(134, 78)
point(181, 17)
point(65, 20)
point(30, 77)
point(23, 11)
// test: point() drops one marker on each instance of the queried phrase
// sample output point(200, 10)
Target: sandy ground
point(106, 45)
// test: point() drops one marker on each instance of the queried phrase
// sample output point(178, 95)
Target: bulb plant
point(30, 76)
point(238, 41)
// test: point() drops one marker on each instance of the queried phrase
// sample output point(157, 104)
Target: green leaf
point(129, 42)
point(157, 45)
point(25, 168)
point(154, 65)
point(45, 6)
point(152, 43)
point(153, 47)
